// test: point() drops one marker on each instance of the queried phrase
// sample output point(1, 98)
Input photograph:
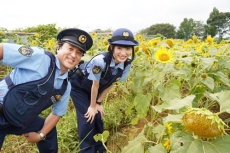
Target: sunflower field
point(178, 89)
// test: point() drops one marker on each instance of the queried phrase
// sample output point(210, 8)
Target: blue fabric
point(49, 145)
point(26, 101)
point(81, 100)
point(98, 61)
point(33, 68)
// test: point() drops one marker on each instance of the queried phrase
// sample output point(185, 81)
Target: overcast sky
point(103, 14)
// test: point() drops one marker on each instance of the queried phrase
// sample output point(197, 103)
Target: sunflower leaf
point(157, 148)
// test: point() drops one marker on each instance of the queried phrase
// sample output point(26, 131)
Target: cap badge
point(97, 69)
point(26, 51)
point(126, 34)
point(82, 39)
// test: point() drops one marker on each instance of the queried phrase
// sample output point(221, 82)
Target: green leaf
point(175, 103)
point(157, 149)
point(159, 130)
point(184, 142)
point(213, 51)
point(183, 72)
point(102, 137)
point(222, 77)
point(209, 82)
point(174, 118)
point(223, 98)
point(163, 44)
point(135, 120)
point(136, 144)
point(171, 93)
point(146, 81)
point(207, 62)
point(141, 103)
point(187, 60)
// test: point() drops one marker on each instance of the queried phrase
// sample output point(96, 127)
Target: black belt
point(1, 109)
point(79, 74)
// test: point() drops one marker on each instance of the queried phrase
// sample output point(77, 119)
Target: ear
point(111, 46)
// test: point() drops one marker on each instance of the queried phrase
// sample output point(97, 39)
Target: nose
point(74, 54)
point(123, 51)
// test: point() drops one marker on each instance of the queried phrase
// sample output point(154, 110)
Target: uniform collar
point(64, 76)
point(120, 65)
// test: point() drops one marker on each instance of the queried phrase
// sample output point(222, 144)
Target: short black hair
point(61, 43)
point(111, 49)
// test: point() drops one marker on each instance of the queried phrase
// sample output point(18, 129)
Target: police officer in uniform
point(39, 80)
point(93, 80)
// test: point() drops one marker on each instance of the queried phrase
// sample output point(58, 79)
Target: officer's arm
point(49, 124)
point(102, 95)
point(94, 92)
point(1, 51)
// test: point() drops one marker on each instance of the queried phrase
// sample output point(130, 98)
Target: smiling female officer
point(93, 80)
point(38, 81)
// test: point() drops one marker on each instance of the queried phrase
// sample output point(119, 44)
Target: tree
point(165, 29)
point(186, 29)
point(219, 21)
point(199, 28)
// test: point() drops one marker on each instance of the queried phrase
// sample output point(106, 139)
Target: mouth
point(122, 57)
point(70, 60)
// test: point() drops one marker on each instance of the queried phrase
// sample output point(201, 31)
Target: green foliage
point(219, 21)
point(165, 29)
point(46, 32)
point(186, 29)
point(184, 142)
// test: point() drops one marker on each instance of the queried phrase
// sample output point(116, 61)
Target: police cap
point(76, 37)
point(123, 36)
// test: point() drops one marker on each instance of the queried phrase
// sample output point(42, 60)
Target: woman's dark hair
point(111, 50)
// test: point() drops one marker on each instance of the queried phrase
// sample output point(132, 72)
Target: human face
point(68, 56)
point(121, 54)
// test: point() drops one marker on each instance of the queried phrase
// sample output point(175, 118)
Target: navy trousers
point(81, 100)
point(49, 145)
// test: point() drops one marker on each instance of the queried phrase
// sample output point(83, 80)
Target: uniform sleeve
point(60, 107)
point(96, 62)
point(125, 73)
point(19, 57)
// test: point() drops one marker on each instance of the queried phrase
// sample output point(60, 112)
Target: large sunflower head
point(164, 56)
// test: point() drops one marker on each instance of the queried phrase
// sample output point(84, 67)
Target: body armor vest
point(24, 102)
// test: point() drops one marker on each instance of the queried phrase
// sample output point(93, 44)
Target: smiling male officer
point(38, 81)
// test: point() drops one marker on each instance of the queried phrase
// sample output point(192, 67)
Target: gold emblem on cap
point(82, 38)
point(126, 34)
point(58, 97)
point(118, 79)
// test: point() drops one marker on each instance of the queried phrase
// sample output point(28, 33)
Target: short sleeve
point(98, 64)
point(60, 107)
point(125, 72)
point(15, 56)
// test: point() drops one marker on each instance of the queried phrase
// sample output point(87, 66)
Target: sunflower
point(164, 56)
point(167, 144)
point(99, 44)
point(105, 42)
point(194, 38)
point(204, 49)
point(190, 41)
point(1, 33)
point(93, 34)
point(51, 43)
point(34, 42)
point(169, 127)
point(110, 35)
point(170, 42)
point(155, 42)
point(209, 39)
point(36, 35)
point(145, 49)
point(136, 49)
point(140, 37)
point(204, 76)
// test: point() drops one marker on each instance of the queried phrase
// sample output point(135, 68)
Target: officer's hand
point(32, 137)
point(92, 111)
point(100, 109)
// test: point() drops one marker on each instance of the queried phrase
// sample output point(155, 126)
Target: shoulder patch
point(97, 69)
point(26, 51)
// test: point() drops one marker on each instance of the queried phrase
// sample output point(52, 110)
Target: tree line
point(218, 24)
